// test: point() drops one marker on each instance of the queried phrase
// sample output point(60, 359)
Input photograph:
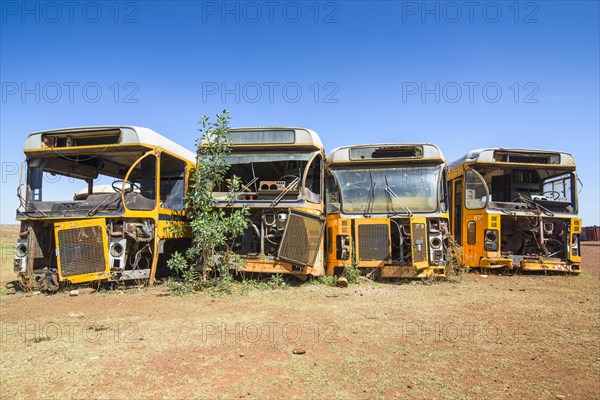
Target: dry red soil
point(494, 337)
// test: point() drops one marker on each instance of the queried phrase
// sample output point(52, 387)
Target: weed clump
point(455, 261)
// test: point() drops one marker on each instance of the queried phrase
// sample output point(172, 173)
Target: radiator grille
point(81, 251)
point(419, 242)
point(301, 239)
point(373, 242)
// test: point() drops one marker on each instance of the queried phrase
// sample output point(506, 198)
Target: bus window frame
point(307, 170)
point(471, 233)
point(572, 189)
point(160, 177)
point(332, 207)
point(444, 192)
point(156, 184)
point(485, 186)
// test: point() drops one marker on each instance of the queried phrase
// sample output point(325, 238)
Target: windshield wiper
point(505, 211)
point(534, 206)
point(39, 213)
point(102, 203)
point(245, 187)
point(370, 199)
point(508, 212)
point(284, 192)
point(254, 178)
point(394, 196)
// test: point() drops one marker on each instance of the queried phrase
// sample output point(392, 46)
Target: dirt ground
point(534, 337)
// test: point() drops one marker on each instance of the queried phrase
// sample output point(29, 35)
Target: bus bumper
point(495, 262)
point(537, 265)
point(276, 267)
point(390, 271)
point(549, 266)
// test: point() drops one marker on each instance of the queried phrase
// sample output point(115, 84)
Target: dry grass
point(455, 259)
point(495, 337)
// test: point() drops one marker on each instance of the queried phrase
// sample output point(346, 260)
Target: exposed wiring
point(77, 160)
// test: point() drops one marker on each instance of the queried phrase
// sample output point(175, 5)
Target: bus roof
point(385, 152)
point(105, 135)
point(499, 155)
point(280, 136)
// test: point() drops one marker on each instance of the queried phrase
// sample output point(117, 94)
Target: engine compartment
point(535, 236)
point(130, 251)
point(281, 234)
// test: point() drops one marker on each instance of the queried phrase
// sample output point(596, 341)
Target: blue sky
point(462, 76)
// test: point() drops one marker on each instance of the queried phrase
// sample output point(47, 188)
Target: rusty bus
point(387, 210)
point(281, 171)
point(117, 227)
point(516, 209)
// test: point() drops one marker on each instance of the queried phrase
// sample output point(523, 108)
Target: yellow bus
point(281, 170)
point(516, 209)
point(97, 204)
point(387, 210)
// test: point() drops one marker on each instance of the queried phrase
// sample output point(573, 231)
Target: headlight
point(21, 250)
point(575, 246)
point(116, 250)
point(491, 240)
point(491, 235)
point(343, 247)
point(435, 243)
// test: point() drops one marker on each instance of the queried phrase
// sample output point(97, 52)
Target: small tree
point(212, 227)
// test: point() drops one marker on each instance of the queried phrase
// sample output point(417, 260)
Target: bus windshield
point(398, 190)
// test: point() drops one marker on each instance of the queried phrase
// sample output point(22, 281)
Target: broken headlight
point(343, 247)
point(490, 237)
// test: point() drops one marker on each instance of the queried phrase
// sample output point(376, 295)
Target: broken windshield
point(508, 188)
point(398, 190)
point(275, 176)
point(64, 184)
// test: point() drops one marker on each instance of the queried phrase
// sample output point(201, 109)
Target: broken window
point(552, 188)
point(272, 176)
point(558, 188)
point(77, 183)
point(172, 182)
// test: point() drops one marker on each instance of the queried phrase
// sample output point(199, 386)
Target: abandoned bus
point(116, 228)
point(281, 171)
point(387, 210)
point(516, 209)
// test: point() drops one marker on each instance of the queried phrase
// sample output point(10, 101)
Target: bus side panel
point(474, 224)
point(493, 223)
point(575, 250)
point(338, 243)
point(420, 248)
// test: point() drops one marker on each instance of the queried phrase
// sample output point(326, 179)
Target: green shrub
point(209, 263)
